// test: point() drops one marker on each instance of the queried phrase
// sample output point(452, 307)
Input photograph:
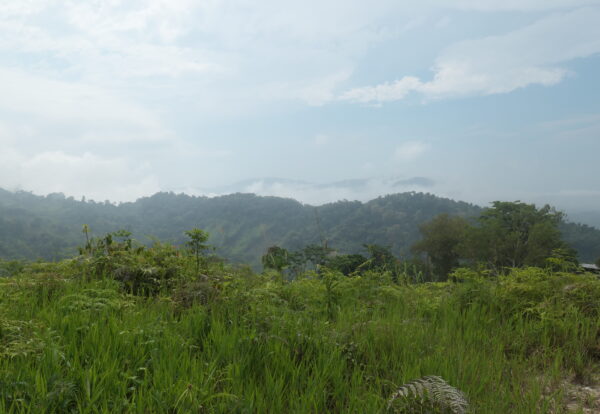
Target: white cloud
point(317, 194)
point(119, 43)
point(77, 175)
point(385, 92)
point(500, 64)
point(410, 150)
point(90, 114)
point(63, 101)
point(107, 41)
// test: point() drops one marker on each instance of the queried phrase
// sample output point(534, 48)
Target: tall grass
point(260, 344)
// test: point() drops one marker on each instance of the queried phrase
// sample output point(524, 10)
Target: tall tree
point(514, 234)
point(197, 244)
point(443, 238)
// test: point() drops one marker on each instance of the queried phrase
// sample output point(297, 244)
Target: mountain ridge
point(242, 225)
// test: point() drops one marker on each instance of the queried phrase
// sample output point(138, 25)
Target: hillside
point(242, 226)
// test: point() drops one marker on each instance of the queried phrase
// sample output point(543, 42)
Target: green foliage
point(346, 264)
point(330, 281)
point(88, 246)
point(202, 291)
point(74, 339)
point(563, 260)
point(507, 235)
point(584, 239)
point(443, 239)
point(11, 267)
point(242, 226)
point(316, 254)
point(549, 309)
point(514, 235)
point(381, 259)
point(276, 258)
point(94, 300)
point(197, 244)
point(140, 270)
point(19, 339)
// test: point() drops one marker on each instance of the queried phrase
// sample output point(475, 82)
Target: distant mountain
point(242, 226)
point(591, 218)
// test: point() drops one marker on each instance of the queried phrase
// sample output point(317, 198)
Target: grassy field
point(73, 339)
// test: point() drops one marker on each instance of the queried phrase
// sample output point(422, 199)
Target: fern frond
point(433, 390)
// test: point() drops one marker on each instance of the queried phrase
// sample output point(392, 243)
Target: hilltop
point(242, 226)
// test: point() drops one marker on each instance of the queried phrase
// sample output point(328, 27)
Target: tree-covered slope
point(242, 226)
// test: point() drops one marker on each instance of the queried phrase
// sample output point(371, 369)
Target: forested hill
point(242, 226)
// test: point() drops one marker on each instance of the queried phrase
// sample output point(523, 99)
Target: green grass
point(257, 344)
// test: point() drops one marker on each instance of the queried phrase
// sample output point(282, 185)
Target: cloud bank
point(317, 194)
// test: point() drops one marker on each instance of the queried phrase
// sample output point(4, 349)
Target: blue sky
point(482, 100)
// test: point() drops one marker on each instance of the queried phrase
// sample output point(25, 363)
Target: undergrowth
point(148, 332)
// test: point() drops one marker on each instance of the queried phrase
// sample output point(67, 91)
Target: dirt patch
point(575, 396)
point(583, 398)
point(572, 395)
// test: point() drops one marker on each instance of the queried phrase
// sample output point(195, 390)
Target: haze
point(315, 100)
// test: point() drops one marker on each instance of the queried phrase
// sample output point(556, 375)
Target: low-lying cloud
point(85, 175)
point(321, 193)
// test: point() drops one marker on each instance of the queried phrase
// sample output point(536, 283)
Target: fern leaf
point(434, 391)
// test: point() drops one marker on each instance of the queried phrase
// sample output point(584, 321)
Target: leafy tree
point(563, 259)
point(276, 258)
point(346, 263)
point(381, 259)
point(123, 237)
point(197, 244)
point(316, 254)
point(514, 234)
point(296, 263)
point(442, 240)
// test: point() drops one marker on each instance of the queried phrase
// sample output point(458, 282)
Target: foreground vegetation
point(123, 328)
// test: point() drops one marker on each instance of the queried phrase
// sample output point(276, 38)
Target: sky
point(318, 100)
